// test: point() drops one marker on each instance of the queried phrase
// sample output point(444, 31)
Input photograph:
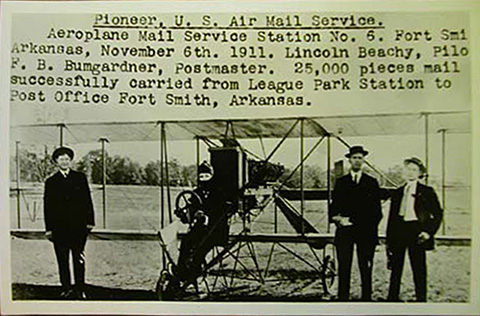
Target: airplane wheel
point(171, 268)
point(162, 288)
point(329, 268)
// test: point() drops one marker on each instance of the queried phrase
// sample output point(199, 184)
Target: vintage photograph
point(238, 224)
point(227, 152)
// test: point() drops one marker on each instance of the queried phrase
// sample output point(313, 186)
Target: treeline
point(124, 170)
point(119, 169)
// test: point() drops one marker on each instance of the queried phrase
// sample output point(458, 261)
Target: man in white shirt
point(415, 216)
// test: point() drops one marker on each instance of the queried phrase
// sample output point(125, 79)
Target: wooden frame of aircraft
point(209, 132)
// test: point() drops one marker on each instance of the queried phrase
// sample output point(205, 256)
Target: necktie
point(403, 207)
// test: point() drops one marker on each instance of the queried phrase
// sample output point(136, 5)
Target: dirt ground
point(128, 270)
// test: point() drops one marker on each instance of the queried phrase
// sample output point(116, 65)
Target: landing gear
point(162, 289)
point(329, 268)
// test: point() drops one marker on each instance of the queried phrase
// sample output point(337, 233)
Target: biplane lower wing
point(150, 235)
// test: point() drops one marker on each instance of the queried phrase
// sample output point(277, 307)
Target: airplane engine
point(260, 173)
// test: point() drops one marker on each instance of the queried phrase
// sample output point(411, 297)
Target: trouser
point(417, 255)
point(194, 247)
point(345, 239)
point(62, 252)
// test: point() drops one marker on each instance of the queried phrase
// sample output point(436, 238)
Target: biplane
point(252, 187)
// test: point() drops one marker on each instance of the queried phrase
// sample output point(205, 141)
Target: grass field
point(137, 208)
point(129, 269)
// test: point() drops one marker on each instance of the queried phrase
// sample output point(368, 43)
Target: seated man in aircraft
point(208, 225)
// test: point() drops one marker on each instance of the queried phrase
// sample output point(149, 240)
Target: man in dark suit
point(415, 216)
point(68, 213)
point(356, 211)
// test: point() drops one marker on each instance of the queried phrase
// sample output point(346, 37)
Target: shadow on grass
point(22, 291)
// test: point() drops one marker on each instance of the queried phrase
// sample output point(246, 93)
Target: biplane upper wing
point(349, 125)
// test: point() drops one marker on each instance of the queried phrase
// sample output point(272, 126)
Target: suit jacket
point(360, 202)
point(214, 204)
point(68, 207)
point(427, 209)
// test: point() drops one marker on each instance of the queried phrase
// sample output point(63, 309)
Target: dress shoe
point(82, 295)
point(66, 294)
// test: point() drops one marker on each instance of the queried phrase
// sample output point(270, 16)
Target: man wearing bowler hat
point(415, 216)
point(356, 211)
point(69, 217)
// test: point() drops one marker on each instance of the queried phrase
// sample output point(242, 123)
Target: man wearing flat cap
point(69, 217)
point(415, 216)
point(356, 211)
